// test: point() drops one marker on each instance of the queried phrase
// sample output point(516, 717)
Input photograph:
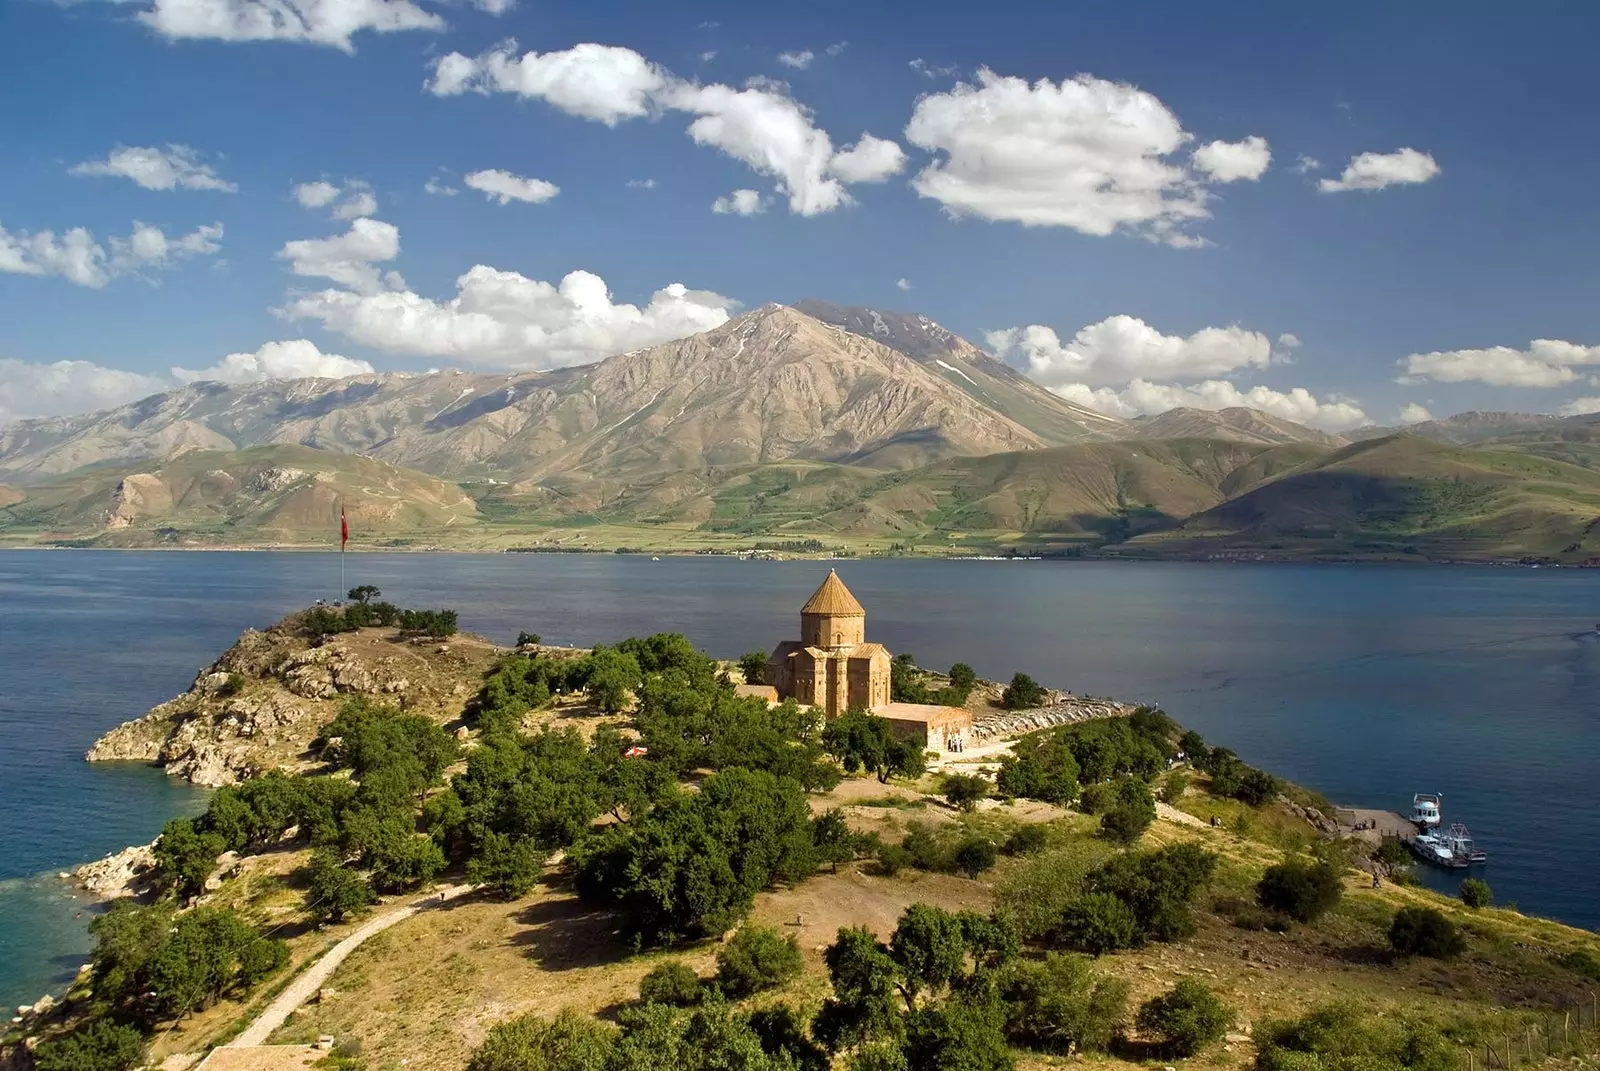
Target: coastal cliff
point(261, 704)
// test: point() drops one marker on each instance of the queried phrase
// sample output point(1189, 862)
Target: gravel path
point(301, 989)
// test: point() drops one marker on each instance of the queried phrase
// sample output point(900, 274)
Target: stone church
point(831, 666)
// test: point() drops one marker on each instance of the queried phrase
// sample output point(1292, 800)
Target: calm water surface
point(1367, 683)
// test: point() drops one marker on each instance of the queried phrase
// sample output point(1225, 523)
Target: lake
point(1367, 683)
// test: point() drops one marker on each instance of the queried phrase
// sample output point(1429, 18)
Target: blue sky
point(1072, 226)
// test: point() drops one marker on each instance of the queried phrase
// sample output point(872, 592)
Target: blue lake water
point(1367, 683)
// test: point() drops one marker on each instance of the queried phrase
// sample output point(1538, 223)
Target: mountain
point(1236, 424)
point(1463, 428)
point(265, 493)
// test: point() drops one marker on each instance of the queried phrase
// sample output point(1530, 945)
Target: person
point(1377, 882)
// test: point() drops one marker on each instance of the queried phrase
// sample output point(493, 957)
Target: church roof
point(833, 598)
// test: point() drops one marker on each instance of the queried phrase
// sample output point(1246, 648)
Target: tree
point(335, 892)
point(210, 953)
point(783, 1037)
point(613, 678)
point(965, 1033)
point(570, 1042)
point(1475, 892)
point(1303, 891)
point(511, 866)
point(1188, 1017)
point(930, 948)
point(1173, 788)
point(1157, 887)
point(1022, 693)
point(905, 681)
point(754, 667)
point(186, 857)
point(1027, 840)
point(962, 677)
point(974, 855)
point(963, 791)
point(893, 858)
point(863, 1006)
point(1098, 923)
point(1125, 823)
point(363, 594)
point(673, 982)
point(1059, 1002)
point(528, 639)
point(835, 842)
point(1041, 766)
point(98, 1045)
point(757, 958)
point(126, 940)
point(862, 741)
point(1424, 931)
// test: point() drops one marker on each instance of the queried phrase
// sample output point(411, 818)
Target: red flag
point(344, 529)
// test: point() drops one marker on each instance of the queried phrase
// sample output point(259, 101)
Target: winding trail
point(309, 981)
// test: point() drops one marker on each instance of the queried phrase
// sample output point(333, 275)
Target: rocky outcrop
point(124, 873)
point(1062, 710)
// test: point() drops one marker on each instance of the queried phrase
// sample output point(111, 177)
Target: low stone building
point(939, 728)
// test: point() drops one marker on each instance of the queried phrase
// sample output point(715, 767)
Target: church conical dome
point(833, 599)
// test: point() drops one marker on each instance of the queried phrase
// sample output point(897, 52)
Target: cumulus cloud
point(349, 258)
point(494, 7)
point(317, 22)
point(504, 318)
point(294, 359)
point(1120, 349)
point(439, 188)
point(1545, 363)
point(505, 187)
point(931, 70)
point(1304, 164)
point(63, 388)
point(351, 201)
point(1142, 398)
point(837, 48)
point(740, 203)
point(77, 257)
point(1288, 341)
point(171, 168)
point(759, 124)
point(1376, 170)
point(1231, 161)
point(798, 60)
point(1576, 407)
point(903, 284)
point(1414, 414)
point(1086, 153)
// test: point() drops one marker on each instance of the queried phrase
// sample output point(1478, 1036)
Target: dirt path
point(301, 989)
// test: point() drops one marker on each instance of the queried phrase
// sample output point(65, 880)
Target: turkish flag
point(344, 529)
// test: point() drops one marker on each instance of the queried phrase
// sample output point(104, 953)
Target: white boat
point(1425, 810)
point(1453, 849)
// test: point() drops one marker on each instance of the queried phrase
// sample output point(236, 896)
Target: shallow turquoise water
point(1367, 683)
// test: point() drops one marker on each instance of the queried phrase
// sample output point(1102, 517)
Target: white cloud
point(1304, 164)
point(1120, 349)
point(868, 160)
point(294, 359)
point(505, 187)
point(929, 70)
point(317, 22)
point(494, 7)
point(903, 284)
point(504, 318)
point(837, 48)
point(642, 184)
point(1376, 170)
point(67, 387)
point(740, 203)
point(1142, 398)
point(439, 188)
point(1288, 341)
point(351, 201)
point(1414, 414)
point(798, 60)
point(1230, 161)
point(171, 168)
point(1576, 407)
point(315, 194)
point(1545, 363)
point(708, 55)
point(77, 257)
point(759, 124)
point(1087, 154)
point(348, 258)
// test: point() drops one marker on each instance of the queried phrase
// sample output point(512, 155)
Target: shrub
point(525, 639)
point(1125, 823)
point(1393, 852)
point(1059, 1003)
point(1038, 889)
point(966, 1032)
point(1424, 931)
point(437, 624)
point(98, 1045)
point(753, 666)
point(1157, 887)
point(757, 958)
point(893, 858)
point(1022, 693)
point(1583, 962)
point(1343, 1036)
point(570, 1042)
point(1303, 891)
point(1475, 892)
point(974, 855)
point(963, 791)
point(673, 982)
point(925, 850)
point(1176, 784)
point(1188, 1017)
point(834, 840)
point(1098, 798)
point(1026, 840)
point(1098, 923)
point(783, 1037)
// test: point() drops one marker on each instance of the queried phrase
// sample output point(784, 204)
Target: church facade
point(831, 666)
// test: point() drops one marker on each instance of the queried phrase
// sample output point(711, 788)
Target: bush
point(783, 1037)
point(526, 639)
point(1157, 887)
point(757, 958)
point(1475, 892)
point(1176, 784)
point(673, 982)
point(1424, 931)
point(1393, 853)
point(1343, 1036)
point(1036, 890)
point(963, 791)
point(1059, 1003)
point(753, 666)
point(1125, 823)
point(437, 624)
point(893, 858)
point(1583, 962)
point(1098, 923)
point(1030, 839)
point(833, 838)
point(1188, 1017)
point(1022, 693)
point(98, 1045)
point(966, 1032)
point(974, 855)
point(570, 1042)
point(925, 850)
point(1303, 891)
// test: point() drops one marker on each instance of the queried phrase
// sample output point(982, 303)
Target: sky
point(1351, 214)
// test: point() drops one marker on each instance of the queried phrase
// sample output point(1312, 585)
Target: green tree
point(1189, 1016)
point(511, 866)
point(835, 842)
point(1022, 693)
point(97, 1045)
point(906, 684)
point(756, 958)
point(1303, 891)
point(1058, 1003)
point(962, 677)
point(570, 1042)
point(335, 892)
point(783, 1037)
point(963, 791)
point(974, 855)
point(1425, 931)
point(186, 857)
point(363, 594)
point(965, 1033)
point(210, 953)
point(1173, 788)
point(753, 665)
point(1098, 923)
point(528, 639)
point(862, 741)
point(673, 982)
point(863, 1008)
point(613, 678)
point(1475, 892)
point(127, 939)
point(893, 858)
point(1027, 840)
point(1040, 767)
point(930, 948)
point(1157, 886)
